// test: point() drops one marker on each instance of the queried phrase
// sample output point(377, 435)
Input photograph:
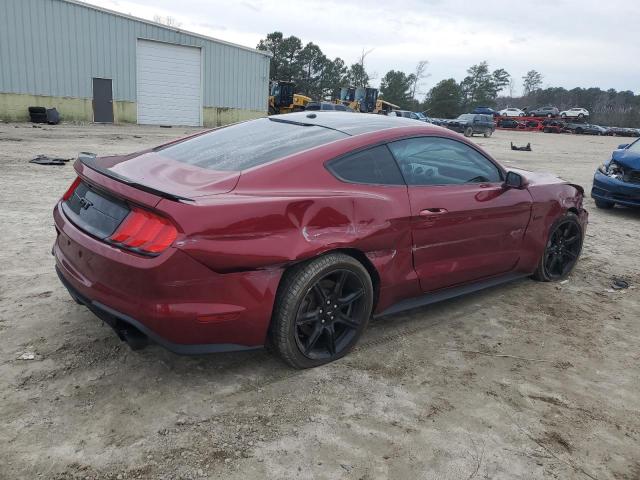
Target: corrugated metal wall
point(54, 47)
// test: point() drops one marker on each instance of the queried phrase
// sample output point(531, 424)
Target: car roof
point(345, 122)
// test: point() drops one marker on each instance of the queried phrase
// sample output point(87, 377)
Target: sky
point(573, 43)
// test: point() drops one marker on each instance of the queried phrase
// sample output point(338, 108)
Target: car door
point(466, 224)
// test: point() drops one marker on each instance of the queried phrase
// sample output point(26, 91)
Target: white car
point(512, 112)
point(577, 112)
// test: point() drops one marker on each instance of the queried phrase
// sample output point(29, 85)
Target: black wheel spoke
point(308, 317)
point(331, 339)
point(352, 297)
point(342, 278)
point(320, 293)
point(313, 338)
point(571, 240)
point(570, 254)
point(345, 320)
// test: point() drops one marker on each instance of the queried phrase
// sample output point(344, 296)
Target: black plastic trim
point(449, 293)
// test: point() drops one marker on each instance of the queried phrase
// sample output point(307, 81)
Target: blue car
point(485, 111)
point(618, 180)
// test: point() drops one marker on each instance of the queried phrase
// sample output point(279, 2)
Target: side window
point(441, 161)
point(374, 166)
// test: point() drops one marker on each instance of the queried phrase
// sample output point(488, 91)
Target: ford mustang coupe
point(293, 231)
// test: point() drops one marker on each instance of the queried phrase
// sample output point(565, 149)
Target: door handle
point(427, 212)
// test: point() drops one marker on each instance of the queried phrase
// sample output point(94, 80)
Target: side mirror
point(623, 146)
point(514, 180)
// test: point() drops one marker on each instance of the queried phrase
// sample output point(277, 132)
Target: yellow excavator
point(365, 100)
point(282, 98)
point(383, 107)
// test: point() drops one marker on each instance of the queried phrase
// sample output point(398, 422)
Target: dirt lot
point(522, 381)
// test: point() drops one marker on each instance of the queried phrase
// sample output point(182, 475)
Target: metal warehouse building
point(97, 65)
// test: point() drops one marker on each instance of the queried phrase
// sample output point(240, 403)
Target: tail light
point(144, 232)
point(71, 189)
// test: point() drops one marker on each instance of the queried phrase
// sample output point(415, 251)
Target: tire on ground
point(603, 204)
point(468, 132)
point(541, 273)
point(293, 288)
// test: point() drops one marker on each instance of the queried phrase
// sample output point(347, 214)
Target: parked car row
point(468, 124)
point(558, 126)
point(548, 111)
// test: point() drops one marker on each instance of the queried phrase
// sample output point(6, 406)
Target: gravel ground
point(522, 381)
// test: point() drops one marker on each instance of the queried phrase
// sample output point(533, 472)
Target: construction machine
point(384, 108)
point(359, 99)
point(283, 99)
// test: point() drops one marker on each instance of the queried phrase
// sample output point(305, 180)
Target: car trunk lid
point(156, 174)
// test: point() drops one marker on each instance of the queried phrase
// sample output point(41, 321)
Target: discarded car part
point(212, 243)
point(526, 148)
point(45, 160)
point(37, 114)
point(53, 117)
point(619, 284)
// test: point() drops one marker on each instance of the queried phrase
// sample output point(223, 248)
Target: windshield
point(466, 116)
point(248, 144)
point(420, 116)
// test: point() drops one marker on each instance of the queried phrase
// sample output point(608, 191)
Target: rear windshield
point(249, 144)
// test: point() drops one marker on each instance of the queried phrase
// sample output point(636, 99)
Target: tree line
point(321, 77)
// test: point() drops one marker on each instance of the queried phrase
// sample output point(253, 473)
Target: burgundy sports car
point(293, 230)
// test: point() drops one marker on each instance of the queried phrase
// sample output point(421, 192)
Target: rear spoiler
point(89, 160)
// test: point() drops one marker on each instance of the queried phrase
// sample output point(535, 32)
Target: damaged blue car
point(618, 180)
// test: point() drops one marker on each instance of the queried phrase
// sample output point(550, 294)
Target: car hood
point(543, 178)
point(627, 158)
point(153, 170)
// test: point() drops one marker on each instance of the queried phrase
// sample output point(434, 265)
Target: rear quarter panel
point(294, 210)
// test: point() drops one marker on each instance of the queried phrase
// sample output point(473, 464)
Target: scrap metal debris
point(27, 356)
point(619, 284)
point(45, 160)
point(526, 148)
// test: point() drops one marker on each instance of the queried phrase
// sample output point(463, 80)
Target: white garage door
point(168, 84)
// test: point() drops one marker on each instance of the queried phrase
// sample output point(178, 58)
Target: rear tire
point(322, 307)
point(468, 132)
point(562, 249)
point(487, 133)
point(603, 204)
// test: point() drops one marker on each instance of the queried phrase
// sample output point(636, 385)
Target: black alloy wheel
point(322, 307)
point(562, 250)
point(330, 315)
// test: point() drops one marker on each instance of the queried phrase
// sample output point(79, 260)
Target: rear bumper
point(616, 191)
point(172, 299)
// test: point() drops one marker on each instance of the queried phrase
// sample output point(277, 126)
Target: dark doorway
point(102, 100)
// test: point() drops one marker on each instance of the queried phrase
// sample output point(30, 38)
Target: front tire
point(603, 204)
point(562, 250)
point(322, 307)
point(468, 132)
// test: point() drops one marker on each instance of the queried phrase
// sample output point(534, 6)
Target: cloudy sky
point(571, 42)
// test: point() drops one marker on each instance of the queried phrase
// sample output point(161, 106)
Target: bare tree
point(418, 75)
point(512, 87)
point(531, 82)
point(168, 21)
